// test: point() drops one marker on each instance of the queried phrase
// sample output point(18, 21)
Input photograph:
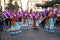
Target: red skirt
point(34, 24)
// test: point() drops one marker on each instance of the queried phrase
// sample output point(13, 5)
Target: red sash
point(34, 24)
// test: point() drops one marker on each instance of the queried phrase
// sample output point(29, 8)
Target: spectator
point(1, 23)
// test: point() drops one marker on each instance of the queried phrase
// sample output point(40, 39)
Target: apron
point(51, 28)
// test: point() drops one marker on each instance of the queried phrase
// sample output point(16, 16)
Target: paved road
point(31, 35)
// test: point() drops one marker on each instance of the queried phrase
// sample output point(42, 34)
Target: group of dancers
point(46, 18)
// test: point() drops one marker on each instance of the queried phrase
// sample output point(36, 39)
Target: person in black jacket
point(1, 23)
point(43, 21)
point(58, 20)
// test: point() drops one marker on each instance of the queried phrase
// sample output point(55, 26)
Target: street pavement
point(31, 34)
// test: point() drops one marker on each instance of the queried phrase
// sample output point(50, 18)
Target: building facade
point(30, 5)
point(4, 3)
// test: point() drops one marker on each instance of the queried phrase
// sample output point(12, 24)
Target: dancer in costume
point(49, 25)
point(25, 21)
point(46, 18)
point(20, 15)
point(36, 21)
point(14, 19)
point(15, 28)
point(30, 17)
point(51, 19)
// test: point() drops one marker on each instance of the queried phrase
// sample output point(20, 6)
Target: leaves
point(16, 7)
point(38, 5)
point(12, 7)
point(50, 3)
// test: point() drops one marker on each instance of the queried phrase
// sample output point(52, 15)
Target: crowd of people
point(48, 18)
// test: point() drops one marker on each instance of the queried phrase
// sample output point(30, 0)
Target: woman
point(25, 21)
point(46, 23)
point(30, 18)
point(25, 16)
point(36, 21)
point(15, 18)
point(49, 21)
point(15, 28)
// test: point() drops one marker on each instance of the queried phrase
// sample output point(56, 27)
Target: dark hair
point(30, 10)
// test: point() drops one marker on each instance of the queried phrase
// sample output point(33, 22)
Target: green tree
point(38, 5)
point(16, 7)
point(10, 5)
point(48, 4)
